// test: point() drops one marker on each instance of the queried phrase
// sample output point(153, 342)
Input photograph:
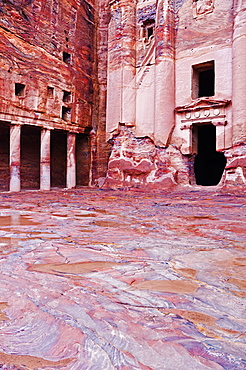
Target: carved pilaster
point(71, 161)
point(45, 160)
point(15, 132)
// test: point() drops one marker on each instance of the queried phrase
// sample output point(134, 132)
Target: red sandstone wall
point(100, 147)
point(33, 36)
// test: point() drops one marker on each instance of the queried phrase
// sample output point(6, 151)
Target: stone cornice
point(202, 103)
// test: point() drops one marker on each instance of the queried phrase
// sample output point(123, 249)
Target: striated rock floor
point(97, 279)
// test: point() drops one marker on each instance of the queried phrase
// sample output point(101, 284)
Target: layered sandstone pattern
point(123, 280)
point(235, 171)
point(46, 63)
point(100, 148)
point(138, 162)
point(156, 87)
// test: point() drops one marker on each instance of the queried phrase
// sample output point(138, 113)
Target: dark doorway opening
point(203, 80)
point(4, 156)
point(206, 83)
point(30, 157)
point(82, 160)
point(209, 164)
point(58, 160)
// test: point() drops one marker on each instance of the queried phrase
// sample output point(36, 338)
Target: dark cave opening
point(209, 164)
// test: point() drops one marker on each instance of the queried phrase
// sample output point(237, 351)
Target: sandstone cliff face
point(158, 55)
point(48, 50)
point(125, 72)
point(48, 80)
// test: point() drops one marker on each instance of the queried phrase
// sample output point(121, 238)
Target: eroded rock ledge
point(235, 170)
point(138, 162)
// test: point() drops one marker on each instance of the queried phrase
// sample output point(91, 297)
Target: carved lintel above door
point(203, 109)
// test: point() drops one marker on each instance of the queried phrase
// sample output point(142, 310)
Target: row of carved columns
point(45, 159)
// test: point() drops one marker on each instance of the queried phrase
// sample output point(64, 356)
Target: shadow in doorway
point(209, 164)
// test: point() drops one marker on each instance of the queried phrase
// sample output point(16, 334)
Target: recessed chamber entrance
point(209, 164)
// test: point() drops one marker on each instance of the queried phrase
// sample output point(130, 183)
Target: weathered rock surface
point(71, 67)
point(123, 280)
point(139, 162)
point(160, 56)
point(47, 45)
point(235, 171)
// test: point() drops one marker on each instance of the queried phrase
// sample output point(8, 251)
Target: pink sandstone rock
point(128, 280)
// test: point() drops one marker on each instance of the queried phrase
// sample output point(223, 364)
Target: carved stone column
point(45, 160)
point(164, 72)
point(71, 161)
point(239, 73)
point(121, 94)
point(15, 132)
point(128, 62)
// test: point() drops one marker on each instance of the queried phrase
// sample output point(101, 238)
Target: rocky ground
point(99, 279)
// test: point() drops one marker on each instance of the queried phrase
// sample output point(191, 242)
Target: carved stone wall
point(48, 47)
point(48, 83)
point(141, 68)
point(124, 74)
point(190, 36)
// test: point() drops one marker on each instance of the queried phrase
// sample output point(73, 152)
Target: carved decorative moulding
point(202, 7)
point(202, 103)
point(203, 110)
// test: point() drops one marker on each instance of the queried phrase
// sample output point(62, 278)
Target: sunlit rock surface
point(123, 280)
